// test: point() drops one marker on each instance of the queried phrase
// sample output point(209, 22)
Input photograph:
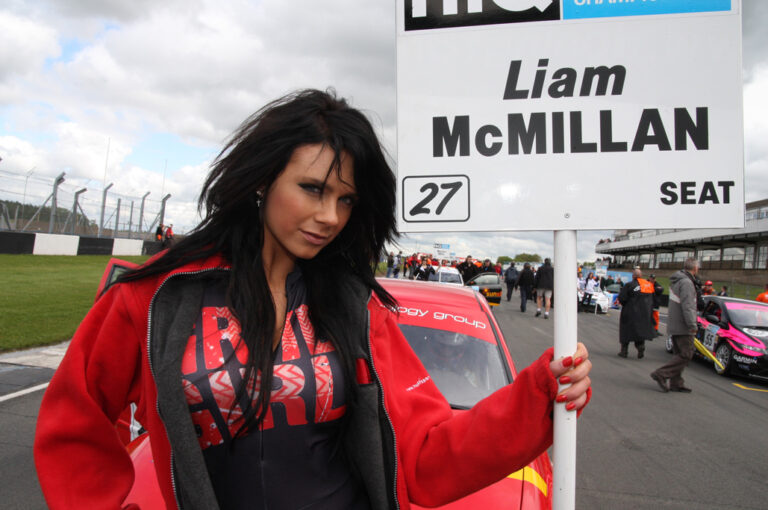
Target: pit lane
point(638, 448)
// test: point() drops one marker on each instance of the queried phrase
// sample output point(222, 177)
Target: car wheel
point(668, 344)
point(724, 354)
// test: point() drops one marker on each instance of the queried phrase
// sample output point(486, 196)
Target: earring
point(259, 198)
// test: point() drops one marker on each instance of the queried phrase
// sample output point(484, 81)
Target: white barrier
point(55, 244)
point(127, 247)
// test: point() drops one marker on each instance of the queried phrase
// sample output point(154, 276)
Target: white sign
point(541, 114)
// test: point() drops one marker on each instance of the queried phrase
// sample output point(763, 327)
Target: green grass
point(44, 298)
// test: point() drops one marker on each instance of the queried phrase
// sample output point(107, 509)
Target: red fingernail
point(561, 398)
point(570, 406)
point(564, 379)
point(577, 361)
point(567, 362)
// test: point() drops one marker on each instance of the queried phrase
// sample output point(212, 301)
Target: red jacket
point(120, 351)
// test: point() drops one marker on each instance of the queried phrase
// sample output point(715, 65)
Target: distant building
point(738, 253)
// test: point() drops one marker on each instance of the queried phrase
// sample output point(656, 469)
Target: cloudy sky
point(142, 94)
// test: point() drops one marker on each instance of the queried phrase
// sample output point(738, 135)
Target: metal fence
point(36, 203)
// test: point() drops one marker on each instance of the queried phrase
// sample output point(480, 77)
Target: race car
point(600, 302)
point(489, 285)
point(455, 335)
point(735, 332)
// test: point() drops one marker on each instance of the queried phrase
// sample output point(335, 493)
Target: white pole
point(564, 447)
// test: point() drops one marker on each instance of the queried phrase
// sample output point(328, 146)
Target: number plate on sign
point(435, 198)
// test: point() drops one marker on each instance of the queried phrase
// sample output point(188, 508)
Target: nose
point(327, 212)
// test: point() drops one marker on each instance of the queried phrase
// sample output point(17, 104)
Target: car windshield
point(464, 368)
point(447, 277)
point(748, 315)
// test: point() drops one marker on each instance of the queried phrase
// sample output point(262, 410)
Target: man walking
point(636, 320)
point(658, 290)
point(545, 282)
point(682, 325)
point(525, 284)
point(510, 276)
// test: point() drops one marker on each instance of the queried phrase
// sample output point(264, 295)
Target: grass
point(44, 298)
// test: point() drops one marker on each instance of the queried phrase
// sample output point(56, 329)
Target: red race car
point(455, 335)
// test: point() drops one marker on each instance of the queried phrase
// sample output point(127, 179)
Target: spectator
point(510, 276)
point(723, 291)
point(682, 324)
point(467, 269)
point(525, 283)
point(545, 282)
point(658, 291)
point(425, 270)
point(390, 264)
point(398, 263)
point(168, 235)
point(707, 289)
point(590, 287)
point(636, 320)
point(159, 233)
point(487, 267)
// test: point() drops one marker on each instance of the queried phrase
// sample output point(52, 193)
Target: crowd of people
point(421, 267)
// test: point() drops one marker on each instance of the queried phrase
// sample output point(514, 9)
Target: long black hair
point(233, 226)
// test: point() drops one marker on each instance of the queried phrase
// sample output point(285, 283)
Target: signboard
point(569, 114)
point(442, 251)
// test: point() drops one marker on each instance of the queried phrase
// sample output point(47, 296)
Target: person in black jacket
point(658, 290)
point(468, 269)
point(525, 284)
point(636, 320)
point(510, 276)
point(545, 283)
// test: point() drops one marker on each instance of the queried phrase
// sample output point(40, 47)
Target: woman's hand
point(573, 373)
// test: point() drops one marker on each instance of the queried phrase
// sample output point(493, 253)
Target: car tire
point(668, 344)
point(724, 354)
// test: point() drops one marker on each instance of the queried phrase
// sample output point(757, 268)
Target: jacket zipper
point(152, 368)
point(386, 413)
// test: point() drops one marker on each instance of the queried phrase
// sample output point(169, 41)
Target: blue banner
point(581, 9)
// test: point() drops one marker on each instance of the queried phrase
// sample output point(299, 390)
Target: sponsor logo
point(418, 383)
point(431, 14)
point(744, 359)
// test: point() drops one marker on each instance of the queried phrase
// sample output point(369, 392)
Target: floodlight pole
point(162, 208)
point(130, 223)
point(103, 203)
point(564, 446)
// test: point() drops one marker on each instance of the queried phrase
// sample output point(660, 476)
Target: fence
point(34, 203)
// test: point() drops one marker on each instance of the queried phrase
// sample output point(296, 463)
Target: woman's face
point(303, 210)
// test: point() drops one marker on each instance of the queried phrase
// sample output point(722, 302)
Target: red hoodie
point(431, 456)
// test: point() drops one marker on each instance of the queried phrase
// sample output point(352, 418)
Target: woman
point(276, 284)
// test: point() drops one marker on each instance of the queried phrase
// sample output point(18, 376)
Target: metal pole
point(24, 200)
point(117, 220)
point(73, 214)
point(103, 203)
point(162, 208)
point(564, 446)
point(130, 223)
point(52, 218)
point(141, 212)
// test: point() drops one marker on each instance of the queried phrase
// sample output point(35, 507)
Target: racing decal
point(528, 474)
point(710, 337)
point(744, 359)
point(441, 316)
point(437, 14)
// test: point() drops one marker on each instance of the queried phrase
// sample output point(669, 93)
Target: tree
point(527, 257)
point(503, 259)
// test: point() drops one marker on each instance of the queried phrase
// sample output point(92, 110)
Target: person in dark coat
point(636, 321)
point(658, 290)
point(545, 283)
point(510, 276)
point(468, 269)
point(525, 284)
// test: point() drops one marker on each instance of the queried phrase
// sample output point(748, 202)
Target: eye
point(349, 201)
point(311, 188)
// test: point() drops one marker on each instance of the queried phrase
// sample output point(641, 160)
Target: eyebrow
point(324, 184)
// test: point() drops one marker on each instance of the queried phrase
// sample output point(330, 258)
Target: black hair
point(232, 226)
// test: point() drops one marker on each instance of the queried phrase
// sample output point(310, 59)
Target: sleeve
point(445, 456)
point(688, 305)
point(623, 294)
point(81, 462)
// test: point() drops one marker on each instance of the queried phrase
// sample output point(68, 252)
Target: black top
point(294, 460)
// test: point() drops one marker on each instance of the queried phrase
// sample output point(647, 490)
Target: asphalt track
point(638, 448)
